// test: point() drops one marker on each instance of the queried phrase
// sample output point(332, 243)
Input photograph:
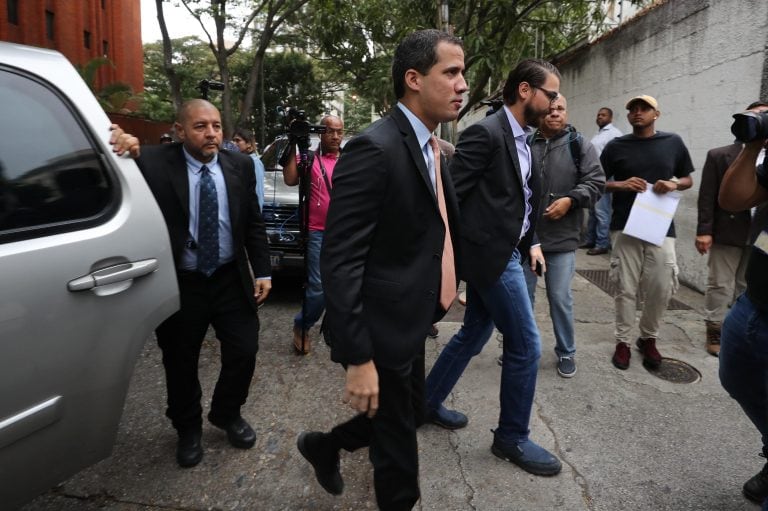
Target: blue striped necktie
point(207, 224)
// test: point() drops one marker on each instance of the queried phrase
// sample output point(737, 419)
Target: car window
point(52, 178)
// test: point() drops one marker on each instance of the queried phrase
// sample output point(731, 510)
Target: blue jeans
point(600, 222)
point(744, 361)
point(505, 303)
point(560, 269)
point(314, 300)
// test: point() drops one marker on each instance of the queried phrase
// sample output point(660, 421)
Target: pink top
point(319, 196)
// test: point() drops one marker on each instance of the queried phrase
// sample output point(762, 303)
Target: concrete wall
point(702, 60)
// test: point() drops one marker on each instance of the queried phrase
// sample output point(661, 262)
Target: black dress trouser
point(391, 436)
point(219, 301)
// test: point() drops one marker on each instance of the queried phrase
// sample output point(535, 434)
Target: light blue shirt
point(258, 168)
point(226, 251)
point(524, 157)
point(423, 135)
point(605, 135)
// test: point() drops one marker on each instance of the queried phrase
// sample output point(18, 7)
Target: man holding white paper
point(635, 161)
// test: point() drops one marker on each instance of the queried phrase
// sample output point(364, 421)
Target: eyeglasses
point(551, 95)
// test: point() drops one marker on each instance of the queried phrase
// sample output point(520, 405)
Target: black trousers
point(391, 435)
point(219, 301)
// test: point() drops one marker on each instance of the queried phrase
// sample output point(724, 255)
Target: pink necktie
point(448, 277)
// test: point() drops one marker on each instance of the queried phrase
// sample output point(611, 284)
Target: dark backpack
point(574, 144)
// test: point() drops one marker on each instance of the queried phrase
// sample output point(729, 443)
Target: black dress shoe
point(239, 433)
point(189, 449)
point(324, 459)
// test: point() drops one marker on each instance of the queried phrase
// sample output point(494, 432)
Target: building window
point(105, 48)
point(87, 39)
point(13, 12)
point(49, 24)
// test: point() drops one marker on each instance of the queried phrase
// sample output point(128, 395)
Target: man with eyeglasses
point(635, 161)
point(321, 164)
point(571, 180)
point(499, 192)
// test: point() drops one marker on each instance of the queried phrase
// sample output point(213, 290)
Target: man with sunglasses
point(499, 194)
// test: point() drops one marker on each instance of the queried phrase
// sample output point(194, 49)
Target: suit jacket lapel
point(177, 170)
point(409, 137)
point(509, 139)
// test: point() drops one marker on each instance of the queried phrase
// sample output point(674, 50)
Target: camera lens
point(749, 126)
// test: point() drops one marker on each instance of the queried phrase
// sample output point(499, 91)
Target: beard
point(534, 117)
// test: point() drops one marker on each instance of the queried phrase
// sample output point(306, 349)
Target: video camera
point(297, 126)
point(749, 126)
point(205, 85)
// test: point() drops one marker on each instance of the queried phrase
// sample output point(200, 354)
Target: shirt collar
point(422, 133)
point(195, 165)
point(517, 130)
point(607, 127)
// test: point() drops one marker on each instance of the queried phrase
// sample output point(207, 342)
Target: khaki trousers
point(641, 269)
point(725, 281)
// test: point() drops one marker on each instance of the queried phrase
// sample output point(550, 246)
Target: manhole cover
point(601, 280)
point(676, 371)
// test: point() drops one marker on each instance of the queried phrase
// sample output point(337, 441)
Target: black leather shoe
point(189, 449)
point(529, 456)
point(239, 433)
point(324, 459)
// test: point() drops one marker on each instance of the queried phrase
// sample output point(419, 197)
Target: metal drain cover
point(601, 280)
point(676, 371)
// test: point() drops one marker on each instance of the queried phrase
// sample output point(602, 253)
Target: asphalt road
point(628, 440)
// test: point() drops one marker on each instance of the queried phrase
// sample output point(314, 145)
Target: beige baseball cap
point(649, 100)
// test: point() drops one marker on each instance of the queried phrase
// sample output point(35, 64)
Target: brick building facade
point(82, 30)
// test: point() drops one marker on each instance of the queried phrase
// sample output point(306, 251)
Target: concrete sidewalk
point(628, 440)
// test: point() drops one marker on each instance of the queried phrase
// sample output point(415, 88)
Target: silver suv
point(86, 274)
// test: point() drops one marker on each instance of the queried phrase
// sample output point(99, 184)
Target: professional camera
point(749, 126)
point(298, 126)
point(205, 85)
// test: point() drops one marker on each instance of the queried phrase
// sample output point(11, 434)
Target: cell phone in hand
point(537, 271)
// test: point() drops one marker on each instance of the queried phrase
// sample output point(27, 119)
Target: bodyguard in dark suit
point(498, 192)
point(387, 268)
point(726, 236)
point(212, 213)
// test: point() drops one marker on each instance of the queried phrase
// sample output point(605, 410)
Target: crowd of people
point(393, 228)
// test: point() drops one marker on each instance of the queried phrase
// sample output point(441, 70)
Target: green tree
point(216, 16)
point(357, 40)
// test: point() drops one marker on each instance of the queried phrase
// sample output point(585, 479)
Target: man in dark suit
point(387, 268)
point(725, 235)
point(212, 213)
point(498, 192)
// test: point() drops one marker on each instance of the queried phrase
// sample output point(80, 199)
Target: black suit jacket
point(383, 241)
point(489, 186)
point(725, 227)
point(165, 170)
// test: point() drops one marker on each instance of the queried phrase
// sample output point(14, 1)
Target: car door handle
point(113, 274)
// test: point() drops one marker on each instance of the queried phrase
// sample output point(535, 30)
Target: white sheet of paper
point(651, 215)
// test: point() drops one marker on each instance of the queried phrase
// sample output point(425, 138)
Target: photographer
point(321, 165)
point(744, 337)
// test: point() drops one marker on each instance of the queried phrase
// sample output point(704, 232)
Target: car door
point(86, 274)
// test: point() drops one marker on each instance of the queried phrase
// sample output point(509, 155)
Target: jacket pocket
point(382, 289)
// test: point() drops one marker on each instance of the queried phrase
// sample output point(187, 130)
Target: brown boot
point(713, 338)
point(302, 343)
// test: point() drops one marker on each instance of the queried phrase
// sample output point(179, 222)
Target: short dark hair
point(532, 71)
point(610, 112)
point(417, 51)
point(245, 134)
point(756, 104)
